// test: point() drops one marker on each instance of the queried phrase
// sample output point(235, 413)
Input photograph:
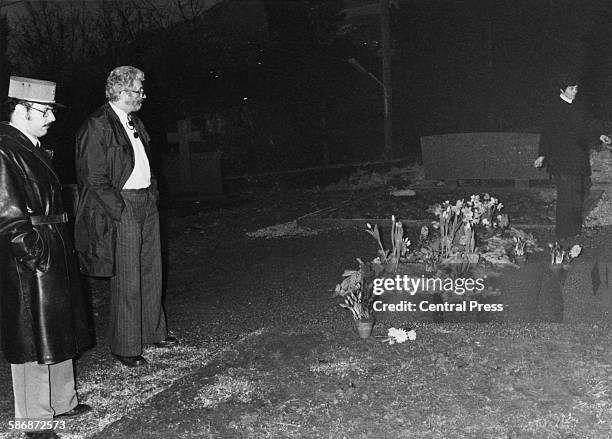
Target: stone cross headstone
point(196, 171)
point(184, 136)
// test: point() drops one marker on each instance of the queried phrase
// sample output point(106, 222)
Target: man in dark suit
point(117, 222)
point(565, 142)
point(44, 322)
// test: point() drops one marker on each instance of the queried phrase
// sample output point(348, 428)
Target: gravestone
point(601, 167)
point(483, 156)
point(186, 168)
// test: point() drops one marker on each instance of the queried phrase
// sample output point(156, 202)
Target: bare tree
point(52, 37)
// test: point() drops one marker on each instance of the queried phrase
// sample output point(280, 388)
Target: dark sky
point(458, 65)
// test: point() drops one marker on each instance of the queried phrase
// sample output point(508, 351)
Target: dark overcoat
point(567, 137)
point(43, 311)
point(104, 162)
point(569, 133)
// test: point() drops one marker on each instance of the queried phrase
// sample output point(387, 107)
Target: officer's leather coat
point(43, 312)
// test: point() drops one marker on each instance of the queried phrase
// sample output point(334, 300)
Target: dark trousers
point(571, 192)
point(137, 316)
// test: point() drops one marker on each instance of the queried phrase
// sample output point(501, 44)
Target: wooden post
point(386, 73)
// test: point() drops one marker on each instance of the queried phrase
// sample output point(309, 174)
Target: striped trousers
point(137, 316)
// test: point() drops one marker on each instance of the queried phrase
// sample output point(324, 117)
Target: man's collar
point(565, 98)
point(123, 116)
point(33, 139)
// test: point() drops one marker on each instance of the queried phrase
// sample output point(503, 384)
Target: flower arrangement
point(466, 238)
point(519, 246)
point(457, 224)
point(356, 290)
point(563, 256)
point(498, 248)
point(399, 244)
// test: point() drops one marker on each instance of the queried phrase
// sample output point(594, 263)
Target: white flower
point(399, 335)
point(468, 215)
point(411, 335)
point(575, 251)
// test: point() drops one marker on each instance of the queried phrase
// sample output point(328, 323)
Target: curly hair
point(120, 79)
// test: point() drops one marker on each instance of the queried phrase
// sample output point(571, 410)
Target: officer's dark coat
point(43, 312)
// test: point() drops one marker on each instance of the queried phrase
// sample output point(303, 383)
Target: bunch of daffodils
point(457, 221)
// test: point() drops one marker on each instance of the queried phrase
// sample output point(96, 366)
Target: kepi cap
point(33, 90)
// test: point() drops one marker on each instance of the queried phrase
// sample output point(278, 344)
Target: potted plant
point(518, 251)
point(561, 258)
point(356, 290)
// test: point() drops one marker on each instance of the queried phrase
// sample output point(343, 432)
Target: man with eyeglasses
point(117, 222)
point(44, 323)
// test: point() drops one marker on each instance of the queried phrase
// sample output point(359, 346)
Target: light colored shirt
point(140, 177)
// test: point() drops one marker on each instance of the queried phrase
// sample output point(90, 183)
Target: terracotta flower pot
point(559, 272)
point(520, 259)
point(364, 327)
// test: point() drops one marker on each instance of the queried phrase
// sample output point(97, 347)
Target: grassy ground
point(454, 381)
point(267, 352)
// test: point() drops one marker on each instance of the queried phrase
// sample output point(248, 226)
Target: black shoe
point(168, 342)
point(77, 411)
point(136, 361)
point(42, 434)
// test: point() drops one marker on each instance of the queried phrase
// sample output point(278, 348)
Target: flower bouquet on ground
point(399, 335)
point(388, 260)
point(561, 257)
point(461, 248)
point(356, 290)
point(459, 226)
point(510, 247)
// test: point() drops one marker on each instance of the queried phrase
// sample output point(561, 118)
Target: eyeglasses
point(45, 113)
point(140, 92)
